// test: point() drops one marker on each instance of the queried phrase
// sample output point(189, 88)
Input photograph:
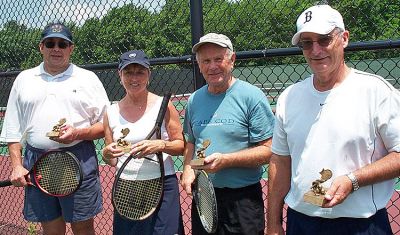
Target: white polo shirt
point(39, 100)
point(343, 129)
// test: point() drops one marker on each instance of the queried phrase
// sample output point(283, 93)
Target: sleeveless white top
point(142, 168)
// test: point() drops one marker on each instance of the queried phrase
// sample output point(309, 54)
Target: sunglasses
point(61, 44)
point(323, 41)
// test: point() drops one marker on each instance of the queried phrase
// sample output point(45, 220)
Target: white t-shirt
point(39, 100)
point(343, 129)
point(137, 132)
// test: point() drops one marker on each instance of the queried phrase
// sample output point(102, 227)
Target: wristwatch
point(354, 181)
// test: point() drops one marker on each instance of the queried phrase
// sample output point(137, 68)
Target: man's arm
point(188, 175)
point(18, 171)
point(279, 174)
point(110, 152)
point(385, 168)
point(70, 133)
point(250, 157)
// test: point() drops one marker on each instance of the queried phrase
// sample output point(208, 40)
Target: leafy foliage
point(166, 31)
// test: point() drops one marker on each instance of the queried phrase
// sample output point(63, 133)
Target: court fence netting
point(260, 30)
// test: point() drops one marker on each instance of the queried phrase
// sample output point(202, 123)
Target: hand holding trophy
point(199, 161)
point(123, 144)
point(55, 132)
point(316, 195)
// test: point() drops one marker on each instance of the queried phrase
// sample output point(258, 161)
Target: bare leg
point(83, 227)
point(54, 227)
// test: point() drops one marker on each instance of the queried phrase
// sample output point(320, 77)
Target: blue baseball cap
point(133, 57)
point(57, 30)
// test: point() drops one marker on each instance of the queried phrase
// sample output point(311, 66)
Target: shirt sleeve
point(11, 129)
point(388, 121)
point(100, 100)
point(279, 139)
point(261, 121)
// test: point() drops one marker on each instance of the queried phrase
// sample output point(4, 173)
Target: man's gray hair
point(228, 52)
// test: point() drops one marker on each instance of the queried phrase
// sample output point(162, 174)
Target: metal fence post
point(196, 18)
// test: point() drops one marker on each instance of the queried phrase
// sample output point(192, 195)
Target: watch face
point(354, 181)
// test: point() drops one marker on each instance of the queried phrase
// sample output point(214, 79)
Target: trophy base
point(126, 148)
point(53, 134)
point(311, 198)
point(197, 162)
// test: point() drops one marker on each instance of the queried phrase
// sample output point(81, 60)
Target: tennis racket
point(137, 199)
point(56, 173)
point(206, 203)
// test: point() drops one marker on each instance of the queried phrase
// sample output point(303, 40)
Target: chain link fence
point(259, 29)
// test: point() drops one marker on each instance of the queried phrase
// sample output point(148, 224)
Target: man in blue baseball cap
point(57, 30)
point(39, 98)
point(56, 47)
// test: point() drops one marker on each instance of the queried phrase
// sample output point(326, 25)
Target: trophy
point(316, 195)
point(199, 161)
point(56, 129)
point(123, 144)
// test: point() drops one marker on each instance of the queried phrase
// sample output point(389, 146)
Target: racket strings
point(206, 204)
point(57, 174)
point(137, 199)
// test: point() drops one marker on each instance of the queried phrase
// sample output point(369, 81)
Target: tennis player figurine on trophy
point(123, 144)
point(56, 129)
point(199, 161)
point(316, 195)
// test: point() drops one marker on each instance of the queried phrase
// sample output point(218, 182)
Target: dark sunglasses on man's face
point(52, 44)
point(323, 41)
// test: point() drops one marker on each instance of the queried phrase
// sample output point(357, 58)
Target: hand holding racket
point(56, 173)
point(204, 196)
point(205, 200)
point(137, 199)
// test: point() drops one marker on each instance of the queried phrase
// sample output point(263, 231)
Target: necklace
point(136, 102)
point(139, 106)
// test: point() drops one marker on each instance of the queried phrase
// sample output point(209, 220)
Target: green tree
point(124, 28)
point(18, 44)
point(165, 31)
point(173, 34)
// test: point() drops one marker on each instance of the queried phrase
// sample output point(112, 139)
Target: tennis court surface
point(12, 222)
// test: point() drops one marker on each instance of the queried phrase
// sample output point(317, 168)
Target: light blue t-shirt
point(232, 121)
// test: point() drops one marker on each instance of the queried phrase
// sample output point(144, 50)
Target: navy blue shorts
point(300, 224)
point(167, 219)
point(240, 211)
point(82, 205)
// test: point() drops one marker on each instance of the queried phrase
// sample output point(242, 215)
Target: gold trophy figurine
point(56, 129)
point(123, 144)
point(316, 195)
point(199, 161)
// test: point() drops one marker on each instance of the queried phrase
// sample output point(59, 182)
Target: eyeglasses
point(52, 44)
point(323, 41)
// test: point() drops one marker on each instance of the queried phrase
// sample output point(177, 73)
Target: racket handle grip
point(5, 183)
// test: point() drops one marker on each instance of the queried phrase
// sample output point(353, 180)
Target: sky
point(37, 13)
